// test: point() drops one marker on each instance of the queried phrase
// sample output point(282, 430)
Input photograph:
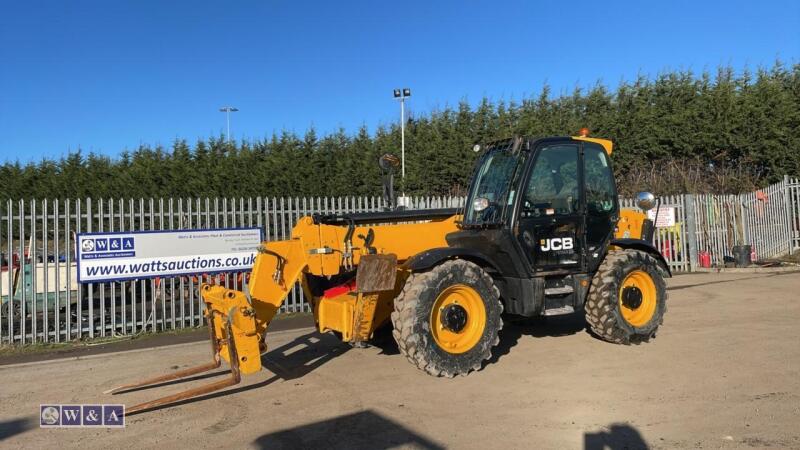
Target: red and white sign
point(666, 216)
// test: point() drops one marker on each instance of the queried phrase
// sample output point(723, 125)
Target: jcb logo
point(556, 244)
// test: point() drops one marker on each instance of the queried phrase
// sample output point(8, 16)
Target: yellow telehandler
point(541, 234)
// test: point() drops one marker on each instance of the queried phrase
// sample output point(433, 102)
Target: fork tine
point(181, 373)
point(235, 378)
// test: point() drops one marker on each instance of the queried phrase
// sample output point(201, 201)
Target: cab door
point(550, 222)
point(602, 203)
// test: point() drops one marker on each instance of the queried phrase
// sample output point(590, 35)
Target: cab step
point(564, 290)
point(559, 311)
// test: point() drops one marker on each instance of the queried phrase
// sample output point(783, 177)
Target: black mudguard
point(645, 246)
point(430, 258)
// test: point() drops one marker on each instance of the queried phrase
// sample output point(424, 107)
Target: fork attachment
point(234, 338)
point(237, 321)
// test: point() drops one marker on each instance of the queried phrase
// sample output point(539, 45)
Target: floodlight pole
point(228, 110)
point(403, 142)
point(402, 94)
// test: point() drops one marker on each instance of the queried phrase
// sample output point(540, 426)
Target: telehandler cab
point(542, 234)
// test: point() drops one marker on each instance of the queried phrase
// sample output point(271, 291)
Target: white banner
point(148, 254)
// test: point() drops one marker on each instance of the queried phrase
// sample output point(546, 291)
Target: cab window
point(600, 190)
point(552, 188)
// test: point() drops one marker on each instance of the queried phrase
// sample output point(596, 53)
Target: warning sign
point(666, 216)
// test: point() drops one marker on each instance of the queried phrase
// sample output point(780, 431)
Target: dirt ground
point(724, 372)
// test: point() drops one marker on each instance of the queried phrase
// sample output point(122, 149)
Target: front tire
point(447, 320)
point(627, 299)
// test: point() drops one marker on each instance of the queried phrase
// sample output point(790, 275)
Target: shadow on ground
point(361, 430)
point(514, 328)
point(617, 436)
point(294, 359)
point(303, 355)
point(13, 427)
point(310, 351)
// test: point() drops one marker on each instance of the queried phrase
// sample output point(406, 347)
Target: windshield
point(494, 181)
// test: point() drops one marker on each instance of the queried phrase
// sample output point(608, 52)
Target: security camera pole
point(402, 94)
point(228, 110)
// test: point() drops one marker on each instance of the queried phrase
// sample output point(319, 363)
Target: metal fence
point(768, 220)
point(42, 301)
point(711, 225)
point(670, 240)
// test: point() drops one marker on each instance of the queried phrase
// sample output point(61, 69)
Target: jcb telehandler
point(541, 234)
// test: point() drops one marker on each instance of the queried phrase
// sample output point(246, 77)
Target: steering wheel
point(489, 212)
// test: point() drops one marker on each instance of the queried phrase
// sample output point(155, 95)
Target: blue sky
point(105, 76)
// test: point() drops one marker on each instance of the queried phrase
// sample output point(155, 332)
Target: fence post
point(745, 230)
point(794, 199)
point(691, 230)
point(787, 205)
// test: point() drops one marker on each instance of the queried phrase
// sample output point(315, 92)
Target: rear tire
point(459, 300)
point(615, 311)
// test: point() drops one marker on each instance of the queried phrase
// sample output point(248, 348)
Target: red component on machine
point(705, 259)
point(341, 289)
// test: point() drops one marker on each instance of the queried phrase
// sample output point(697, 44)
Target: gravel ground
point(724, 372)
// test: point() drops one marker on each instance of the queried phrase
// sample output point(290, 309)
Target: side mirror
point(388, 162)
point(645, 201)
point(480, 203)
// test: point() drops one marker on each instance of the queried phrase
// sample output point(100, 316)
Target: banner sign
point(666, 216)
point(117, 256)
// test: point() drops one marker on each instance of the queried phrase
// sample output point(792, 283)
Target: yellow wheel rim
point(458, 319)
point(638, 298)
